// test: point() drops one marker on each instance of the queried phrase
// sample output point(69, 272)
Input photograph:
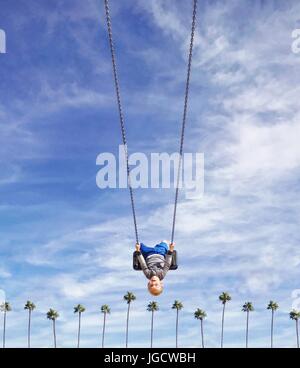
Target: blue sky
point(64, 241)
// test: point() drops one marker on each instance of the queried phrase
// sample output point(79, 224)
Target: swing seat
point(137, 266)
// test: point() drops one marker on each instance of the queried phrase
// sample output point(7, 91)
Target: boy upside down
point(155, 263)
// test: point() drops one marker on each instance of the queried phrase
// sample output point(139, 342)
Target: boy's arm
point(168, 262)
point(142, 262)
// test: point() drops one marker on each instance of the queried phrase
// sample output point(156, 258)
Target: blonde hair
point(155, 291)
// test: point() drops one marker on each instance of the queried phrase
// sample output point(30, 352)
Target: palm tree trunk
point(222, 333)
point(127, 325)
point(247, 330)
point(297, 333)
point(177, 328)
point(29, 328)
point(152, 317)
point(79, 330)
point(272, 329)
point(103, 331)
point(4, 329)
point(54, 333)
point(202, 334)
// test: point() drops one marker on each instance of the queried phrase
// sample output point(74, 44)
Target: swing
point(136, 265)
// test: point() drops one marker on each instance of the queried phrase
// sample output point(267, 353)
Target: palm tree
point(53, 315)
point(152, 307)
point(30, 307)
point(105, 310)
point(201, 315)
point(129, 297)
point(79, 309)
point(224, 298)
point(273, 306)
point(295, 315)
point(178, 306)
point(247, 307)
point(5, 307)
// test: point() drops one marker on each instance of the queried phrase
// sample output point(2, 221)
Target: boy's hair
point(155, 291)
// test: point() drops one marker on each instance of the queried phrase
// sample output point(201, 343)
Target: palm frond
point(200, 314)
point(177, 305)
point(152, 307)
point(248, 307)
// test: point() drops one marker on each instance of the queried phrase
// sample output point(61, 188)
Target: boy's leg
point(146, 251)
point(161, 248)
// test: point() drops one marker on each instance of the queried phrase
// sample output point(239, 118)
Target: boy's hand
point(138, 247)
point(171, 247)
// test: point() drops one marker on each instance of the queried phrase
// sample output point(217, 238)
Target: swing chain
point(187, 87)
point(121, 115)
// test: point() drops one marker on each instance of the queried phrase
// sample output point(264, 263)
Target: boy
point(155, 263)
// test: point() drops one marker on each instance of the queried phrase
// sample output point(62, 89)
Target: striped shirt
point(155, 265)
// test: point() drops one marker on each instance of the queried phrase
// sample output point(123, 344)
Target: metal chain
point(117, 87)
point(184, 116)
